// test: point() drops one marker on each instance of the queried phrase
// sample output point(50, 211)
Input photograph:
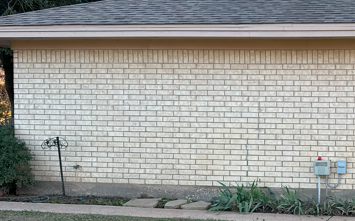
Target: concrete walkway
point(159, 213)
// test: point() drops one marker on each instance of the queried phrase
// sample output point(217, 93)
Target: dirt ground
point(86, 200)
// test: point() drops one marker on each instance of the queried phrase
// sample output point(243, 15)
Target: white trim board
point(177, 31)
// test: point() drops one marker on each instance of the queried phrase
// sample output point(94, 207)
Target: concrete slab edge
point(157, 213)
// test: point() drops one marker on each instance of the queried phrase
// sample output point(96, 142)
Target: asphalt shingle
point(124, 12)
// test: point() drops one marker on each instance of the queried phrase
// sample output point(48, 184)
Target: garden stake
point(60, 143)
point(60, 164)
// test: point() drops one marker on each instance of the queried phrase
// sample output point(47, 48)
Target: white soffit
point(174, 31)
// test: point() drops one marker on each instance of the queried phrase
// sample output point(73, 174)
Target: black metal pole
point(60, 163)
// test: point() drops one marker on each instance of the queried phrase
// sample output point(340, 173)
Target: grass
point(39, 216)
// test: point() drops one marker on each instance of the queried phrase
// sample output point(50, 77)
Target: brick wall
point(188, 117)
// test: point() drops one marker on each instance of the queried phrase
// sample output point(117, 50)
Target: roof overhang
point(177, 31)
point(5, 44)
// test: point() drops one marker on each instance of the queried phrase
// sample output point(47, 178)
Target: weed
point(162, 202)
point(190, 201)
point(101, 201)
point(118, 202)
point(55, 201)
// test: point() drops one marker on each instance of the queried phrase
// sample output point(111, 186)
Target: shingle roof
point(121, 12)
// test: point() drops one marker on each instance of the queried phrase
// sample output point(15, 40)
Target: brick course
point(187, 117)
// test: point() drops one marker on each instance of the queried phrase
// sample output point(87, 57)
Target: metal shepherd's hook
point(60, 143)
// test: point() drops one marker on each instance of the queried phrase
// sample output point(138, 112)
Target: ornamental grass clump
point(15, 169)
point(254, 199)
point(313, 208)
point(290, 203)
point(243, 199)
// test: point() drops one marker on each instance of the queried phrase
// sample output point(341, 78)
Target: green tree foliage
point(8, 7)
point(4, 102)
point(15, 169)
point(6, 84)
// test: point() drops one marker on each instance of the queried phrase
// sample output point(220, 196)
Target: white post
point(318, 189)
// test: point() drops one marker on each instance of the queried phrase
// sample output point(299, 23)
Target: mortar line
point(258, 129)
point(246, 147)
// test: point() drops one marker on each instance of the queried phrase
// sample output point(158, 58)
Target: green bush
point(15, 169)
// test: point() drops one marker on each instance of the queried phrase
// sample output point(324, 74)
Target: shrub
point(15, 170)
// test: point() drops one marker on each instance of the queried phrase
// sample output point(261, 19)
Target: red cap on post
point(319, 158)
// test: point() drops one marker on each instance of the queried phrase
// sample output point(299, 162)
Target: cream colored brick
point(187, 117)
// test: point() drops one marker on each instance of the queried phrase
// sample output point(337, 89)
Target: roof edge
point(176, 31)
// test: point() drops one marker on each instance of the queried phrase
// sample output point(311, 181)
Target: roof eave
point(332, 30)
point(5, 44)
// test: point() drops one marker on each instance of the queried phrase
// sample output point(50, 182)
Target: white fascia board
point(176, 31)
